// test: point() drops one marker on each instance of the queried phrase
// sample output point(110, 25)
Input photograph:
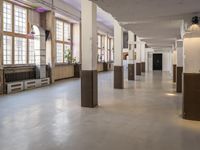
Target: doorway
point(157, 62)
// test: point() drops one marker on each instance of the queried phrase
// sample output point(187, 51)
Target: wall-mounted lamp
point(195, 20)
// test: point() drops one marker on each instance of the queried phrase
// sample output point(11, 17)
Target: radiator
point(15, 87)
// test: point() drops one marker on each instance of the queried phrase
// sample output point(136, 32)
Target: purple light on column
point(40, 10)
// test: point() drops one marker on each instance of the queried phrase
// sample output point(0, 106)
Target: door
point(157, 62)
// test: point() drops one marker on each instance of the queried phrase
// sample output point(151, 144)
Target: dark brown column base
point(77, 70)
point(143, 67)
point(105, 66)
point(191, 96)
point(138, 69)
point(1, 82)
point(174, 73)
point(118, 77)
point(131, 72)
point(89, 88)
point(179, 72)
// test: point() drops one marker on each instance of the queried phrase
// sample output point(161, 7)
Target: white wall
point(191, 55)
point(166, 56)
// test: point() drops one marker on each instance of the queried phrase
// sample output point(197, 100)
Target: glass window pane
point(67, 32)
point(7, 50)
point(7, 17)
point(20, 15)
point(59, 30)
point(20, 50)
point(59, 52)
point(31, 51)
point(99, 41)
point(67, 51)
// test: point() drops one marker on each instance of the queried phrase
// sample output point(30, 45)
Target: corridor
point(146, 115)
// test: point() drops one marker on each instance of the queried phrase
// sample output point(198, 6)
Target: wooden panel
point(64, 71)
point(179, 79)
point(89, 88)
point(174, 73)
point(1, 81)
point(118, 77)
point(131, 72)
point(100, 67)
point(143, 66)
point(191, 96)
point(138, 69)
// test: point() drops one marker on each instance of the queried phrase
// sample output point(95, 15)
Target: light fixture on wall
point(195, 20)
point(193, 31)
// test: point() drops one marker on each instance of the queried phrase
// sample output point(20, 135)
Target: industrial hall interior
point(99, 74)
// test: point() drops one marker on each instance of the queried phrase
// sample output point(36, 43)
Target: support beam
point(118, 58)
point(89, 90)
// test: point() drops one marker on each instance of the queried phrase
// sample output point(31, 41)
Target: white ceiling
point(102, 16)
point(156, 21)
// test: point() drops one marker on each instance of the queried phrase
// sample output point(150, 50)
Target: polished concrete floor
point(146, 115)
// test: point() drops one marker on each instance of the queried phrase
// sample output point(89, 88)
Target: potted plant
point(69, 58)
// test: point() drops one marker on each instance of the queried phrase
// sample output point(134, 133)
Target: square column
point(118, 58)
point(89, 84)
point(191, 76)
point(143, 44)
point(131, 62)
point(1, 49)
point(174, 65)
point(179, 68)
point(138, 58)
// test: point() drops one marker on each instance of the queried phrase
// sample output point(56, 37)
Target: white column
point(40, 52)
point(89, 83)
point(118, 57)
point(1, 48)
point(191, 76)
point(179, 53)
point(89, 35)
point(174, 57)
point(131, 47)
point(118, 44)
point(1, 33)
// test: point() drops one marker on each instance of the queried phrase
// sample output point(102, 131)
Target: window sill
point(64, 64)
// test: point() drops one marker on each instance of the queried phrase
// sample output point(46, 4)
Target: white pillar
point(131, 61)
point(192, 55)
point(179, 68)
point(118, 56)
point(1, 48)
point(179, 53)
point(89, 90)
point(174, 57)
point(40, 52)
point(89, 35)
point(191, 76)
point(118, 44)
point(131, 47)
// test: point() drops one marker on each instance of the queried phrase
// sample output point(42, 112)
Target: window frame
point(99, 47)
point(14, 35)
point(63, 42)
